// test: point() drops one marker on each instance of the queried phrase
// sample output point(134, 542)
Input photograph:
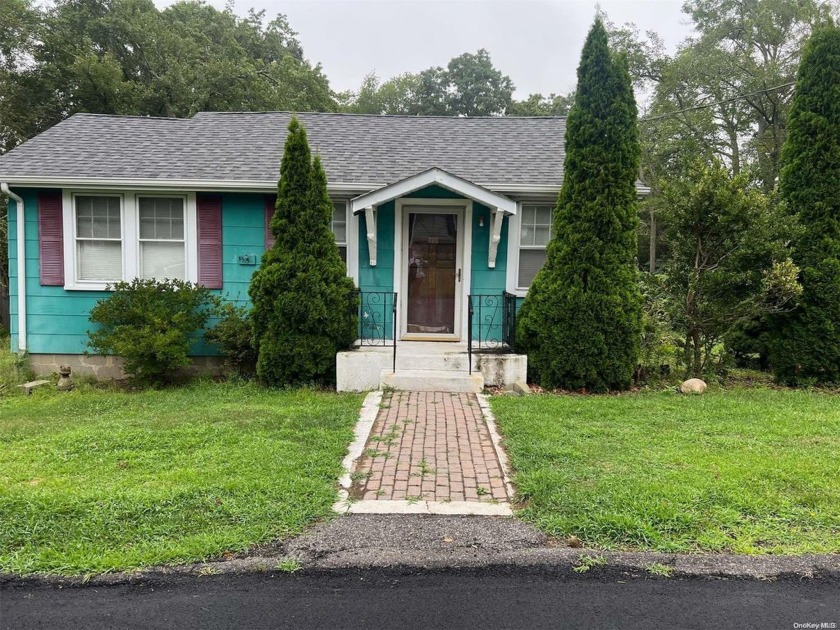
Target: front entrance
point(432, 273)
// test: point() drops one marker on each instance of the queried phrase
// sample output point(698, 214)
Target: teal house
point(442, 222)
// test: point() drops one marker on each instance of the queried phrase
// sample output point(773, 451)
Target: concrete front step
point(432, 381)
point(442, 362)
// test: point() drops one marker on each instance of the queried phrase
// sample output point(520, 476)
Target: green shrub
point(233, 335)
point(580, 323)
point(659, 341)
point(805, 345)
point(151, 325)
point(301, 293)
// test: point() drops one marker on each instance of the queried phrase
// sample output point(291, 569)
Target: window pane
point(98, 217)
point(161, 218)
point(162, 260)
point(100, 260)
point(544, 215)
point(339, 222)
point(530, 262)
point(528, 213)
point(343, 251)
point(526, 234)
point(541, 235)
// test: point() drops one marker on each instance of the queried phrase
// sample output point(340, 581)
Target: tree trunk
point(697, 351)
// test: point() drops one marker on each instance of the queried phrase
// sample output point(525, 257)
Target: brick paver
point(430, 446)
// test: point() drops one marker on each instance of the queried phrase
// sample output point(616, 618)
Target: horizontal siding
point(486, 281)
point(58, 320)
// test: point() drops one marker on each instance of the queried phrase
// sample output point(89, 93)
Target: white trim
point(463, 209)
point(514, 227)
point(20, 233)
point(130, 232)
point(370, 230)
point(434, 176)
point(261, 186)
point(200, 185)
point(352, 244)
point(496, 220)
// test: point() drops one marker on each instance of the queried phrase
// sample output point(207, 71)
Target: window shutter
point(270, 204)
point(51, 239)
point(209, 211)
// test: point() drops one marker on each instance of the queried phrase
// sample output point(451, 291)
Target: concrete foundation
point(109, 367)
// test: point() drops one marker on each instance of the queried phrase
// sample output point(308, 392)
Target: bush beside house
point(580, 323)
point(301, 293)
point(151, 324)
point(806, 344)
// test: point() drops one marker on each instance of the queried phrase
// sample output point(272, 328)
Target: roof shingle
point(236, 147)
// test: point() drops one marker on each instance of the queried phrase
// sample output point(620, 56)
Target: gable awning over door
point(499, 204)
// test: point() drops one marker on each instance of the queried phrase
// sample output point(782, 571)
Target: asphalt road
point(473, 599)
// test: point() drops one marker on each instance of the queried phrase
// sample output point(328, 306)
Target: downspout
point(21, 266)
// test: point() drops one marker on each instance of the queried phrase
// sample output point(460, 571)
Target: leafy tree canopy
point(128, 57)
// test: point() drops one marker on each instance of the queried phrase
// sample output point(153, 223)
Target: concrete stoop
point(424, 380)
point(427, 366)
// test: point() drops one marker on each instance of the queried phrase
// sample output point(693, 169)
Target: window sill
point(90, 286)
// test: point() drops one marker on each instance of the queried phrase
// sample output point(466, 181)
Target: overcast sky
point(536, 43)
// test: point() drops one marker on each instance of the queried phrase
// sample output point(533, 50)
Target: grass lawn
point(94, 481)
point(746, 470)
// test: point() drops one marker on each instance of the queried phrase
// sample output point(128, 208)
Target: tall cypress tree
point(580, 322)
point(301, 292)
point(806, 343)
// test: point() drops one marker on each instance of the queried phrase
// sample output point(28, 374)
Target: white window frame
point(351, 234)
point(337, 206)
point(130, 228)
point(74, 237)
point(512, 280)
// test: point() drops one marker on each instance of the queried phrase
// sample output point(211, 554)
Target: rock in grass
point(693, 386)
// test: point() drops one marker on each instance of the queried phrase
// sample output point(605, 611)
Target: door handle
point(458, 275)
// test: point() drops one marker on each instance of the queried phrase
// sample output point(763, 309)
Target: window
point(98, 238)
point(161, 244)
point(534, 234)
point(339, 227)
point(121, 236)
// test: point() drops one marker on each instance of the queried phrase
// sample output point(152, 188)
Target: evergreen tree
point(806, 344)
point(580, 323)
point(301, 293)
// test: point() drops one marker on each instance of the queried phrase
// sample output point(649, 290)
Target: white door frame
point(463, 208)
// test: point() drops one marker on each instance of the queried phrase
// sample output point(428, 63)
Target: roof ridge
point(130, 116)
point(353, 114)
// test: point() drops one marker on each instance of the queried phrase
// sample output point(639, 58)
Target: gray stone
point(65, 383)
point(28, 387)
point(693, 386)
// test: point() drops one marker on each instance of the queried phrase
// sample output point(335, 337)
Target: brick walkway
point(429, 446)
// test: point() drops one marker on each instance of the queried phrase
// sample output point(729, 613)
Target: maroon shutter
point(210, 242)
point(270, 203)
point(51, 238)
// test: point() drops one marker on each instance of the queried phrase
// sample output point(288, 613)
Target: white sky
point(535, 42)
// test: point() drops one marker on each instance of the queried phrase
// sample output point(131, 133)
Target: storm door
point(434, 275)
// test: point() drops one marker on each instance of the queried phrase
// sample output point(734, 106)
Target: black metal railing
point(491, 323)
point(377, 312)
point(509, 320)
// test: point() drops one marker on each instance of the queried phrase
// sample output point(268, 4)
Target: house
point(442, 222)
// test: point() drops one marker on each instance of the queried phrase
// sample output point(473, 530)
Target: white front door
point(432, 272)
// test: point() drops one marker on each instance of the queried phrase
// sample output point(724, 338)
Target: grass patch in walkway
point(747, 470)
point(94, 481)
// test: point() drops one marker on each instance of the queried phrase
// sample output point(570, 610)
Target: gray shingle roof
point(242, 147)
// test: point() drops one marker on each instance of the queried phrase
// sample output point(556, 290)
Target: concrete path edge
point(367, 416)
